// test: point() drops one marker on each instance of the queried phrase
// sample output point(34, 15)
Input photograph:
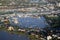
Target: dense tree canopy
point(53, 21)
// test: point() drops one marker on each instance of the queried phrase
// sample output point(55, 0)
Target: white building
point(49, 37)
point(35, 1)
point(58, 4)
point(23, 30)
point(10, 28)
point(15, 20)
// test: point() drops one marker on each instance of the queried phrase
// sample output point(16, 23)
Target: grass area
point(32, 37)
point(2, 13)
point(14, 32)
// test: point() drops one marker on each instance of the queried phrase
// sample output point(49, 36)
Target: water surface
point(7, 36)
point(30, 22)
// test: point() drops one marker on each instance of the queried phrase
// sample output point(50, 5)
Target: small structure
point(15, 20)
point(58, 4)
point(58, 38)
point(10, 28)
point(36, 36)
point(33, 34)
point(49, 37)
point(22, 30)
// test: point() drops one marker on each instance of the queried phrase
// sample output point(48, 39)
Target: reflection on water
point(8, 36)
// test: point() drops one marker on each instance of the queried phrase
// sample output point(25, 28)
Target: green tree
point(53, 21)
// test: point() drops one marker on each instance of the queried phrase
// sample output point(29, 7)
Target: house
point(34, 1)
point(36, 36)
point(15, 20)
point(58, 4)
point(37, 1)
point(22, 30)
point(10, 28)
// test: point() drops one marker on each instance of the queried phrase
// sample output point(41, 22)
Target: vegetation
point(32, 37)
point(53, 21)
point(2, 13)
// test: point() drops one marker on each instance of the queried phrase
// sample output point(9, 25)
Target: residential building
point(10, 28)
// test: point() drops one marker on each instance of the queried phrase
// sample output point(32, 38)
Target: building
point(34, 1)
point(10, 28)
point(23, 3)
point(58, 4)
point(22, 30)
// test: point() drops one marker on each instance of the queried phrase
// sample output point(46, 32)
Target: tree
point(53, 21)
